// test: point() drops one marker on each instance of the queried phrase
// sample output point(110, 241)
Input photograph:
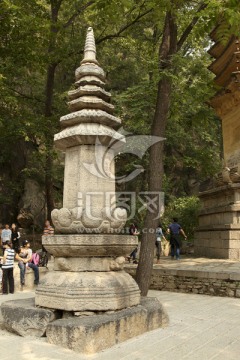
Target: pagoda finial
point(90, 47)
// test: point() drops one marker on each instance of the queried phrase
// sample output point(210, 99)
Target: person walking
point(24, 258)
point(174, 229)
point(7, 269)
point(158, 243)
point(15, 237)
point(133, 231)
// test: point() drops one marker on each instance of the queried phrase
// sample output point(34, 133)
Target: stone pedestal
point(83, 332)
point(218, 234)
point(88, 273)
point(90, 334)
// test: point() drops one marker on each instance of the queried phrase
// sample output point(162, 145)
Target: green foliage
point(186, 209)
point(128, 34)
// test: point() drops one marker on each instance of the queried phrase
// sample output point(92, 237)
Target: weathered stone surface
point(89, 291)
point(89, 69)
point(89, 245)
point(90, 103)
point(91, 116)
point(93, 209)
point(89, 90)
point(86, 134)
point(88, 264)
point(90, 80)
point(23, 318)
point(218, 234)
point(94, 333)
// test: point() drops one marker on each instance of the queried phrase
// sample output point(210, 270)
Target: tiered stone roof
point(226, 67)
point(91, 113)
point(226, 102)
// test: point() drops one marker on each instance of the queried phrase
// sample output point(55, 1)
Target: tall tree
point(170, 45)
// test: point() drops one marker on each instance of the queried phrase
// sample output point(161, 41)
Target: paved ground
point(204, 264)
point(201, 327)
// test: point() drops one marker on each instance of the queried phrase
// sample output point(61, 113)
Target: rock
point(23, 318)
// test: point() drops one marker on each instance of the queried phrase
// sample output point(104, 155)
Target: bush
point(186, 209)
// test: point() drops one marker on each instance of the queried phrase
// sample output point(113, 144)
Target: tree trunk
point(49, 139)
point(144, 269)
point(55, 7)
point(167, 49)
point(169, 46)
point(49, 185)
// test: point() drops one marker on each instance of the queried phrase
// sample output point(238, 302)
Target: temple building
point(218, 234)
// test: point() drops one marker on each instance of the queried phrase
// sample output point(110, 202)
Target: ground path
point(192, 263)
point(201, 327)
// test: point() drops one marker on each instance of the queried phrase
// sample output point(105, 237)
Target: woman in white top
point(7, 268)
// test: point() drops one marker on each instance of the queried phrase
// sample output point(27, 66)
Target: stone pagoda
point(218, 234)
point(87, 303)
point(88, 252)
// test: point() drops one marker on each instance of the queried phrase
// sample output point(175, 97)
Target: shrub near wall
point(186, 209)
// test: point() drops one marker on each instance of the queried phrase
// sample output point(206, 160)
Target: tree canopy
point(147, 48)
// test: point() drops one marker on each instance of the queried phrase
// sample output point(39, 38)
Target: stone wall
point(197, 282)
point(218, 233)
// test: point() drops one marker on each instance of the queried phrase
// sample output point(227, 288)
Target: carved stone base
point(87, 291)
point(90, 334)
point(89, 264)
point(88, 273)
point(218, 234)
point(87, 245)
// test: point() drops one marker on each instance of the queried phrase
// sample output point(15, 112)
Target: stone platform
point(196, 331)
point(217, 277)
point(83, 332)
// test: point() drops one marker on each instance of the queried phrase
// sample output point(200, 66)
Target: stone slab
point(23, 318)
point(92, 334)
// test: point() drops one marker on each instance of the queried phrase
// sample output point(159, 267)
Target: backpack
point(43, 261)
point(35, 259)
